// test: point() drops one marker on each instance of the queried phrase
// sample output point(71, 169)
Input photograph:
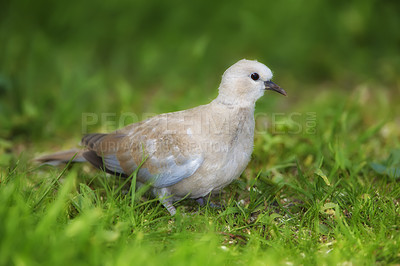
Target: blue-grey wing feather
point(169, 171)
point(172, 172)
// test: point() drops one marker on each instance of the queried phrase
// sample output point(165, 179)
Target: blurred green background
point(59, 59)
point(322, 187)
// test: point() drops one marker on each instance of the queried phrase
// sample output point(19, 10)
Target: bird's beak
point(269, 85)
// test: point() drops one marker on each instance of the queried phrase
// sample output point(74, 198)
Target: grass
point(323, 183)
point(306, 198)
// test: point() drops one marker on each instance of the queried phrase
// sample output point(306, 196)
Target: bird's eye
point(255, 76)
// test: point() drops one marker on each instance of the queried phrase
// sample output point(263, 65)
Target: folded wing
point(164, 159)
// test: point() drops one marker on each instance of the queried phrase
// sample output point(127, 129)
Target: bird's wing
point(165, 158)
point(101, 150)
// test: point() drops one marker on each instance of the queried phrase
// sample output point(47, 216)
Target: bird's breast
point(230, 153)
point(226, 147)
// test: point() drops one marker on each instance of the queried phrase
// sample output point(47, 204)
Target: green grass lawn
point(306, 197)
point(323, 185)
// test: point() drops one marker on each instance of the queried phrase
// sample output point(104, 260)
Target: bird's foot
point(203, 201)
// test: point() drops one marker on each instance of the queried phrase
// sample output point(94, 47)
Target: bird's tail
point(62, 157)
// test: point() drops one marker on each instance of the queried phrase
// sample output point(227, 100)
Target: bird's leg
point(203, 201)
point(168, 205)
point(165, 198)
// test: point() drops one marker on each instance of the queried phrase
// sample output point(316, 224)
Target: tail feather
point(62, 157)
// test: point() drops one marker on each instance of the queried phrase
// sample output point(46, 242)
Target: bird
point(185, 154)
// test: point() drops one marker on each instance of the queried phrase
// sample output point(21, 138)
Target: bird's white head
point(245, 82)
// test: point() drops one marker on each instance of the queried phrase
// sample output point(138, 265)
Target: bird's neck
point(233, 111)
point(234, 102)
